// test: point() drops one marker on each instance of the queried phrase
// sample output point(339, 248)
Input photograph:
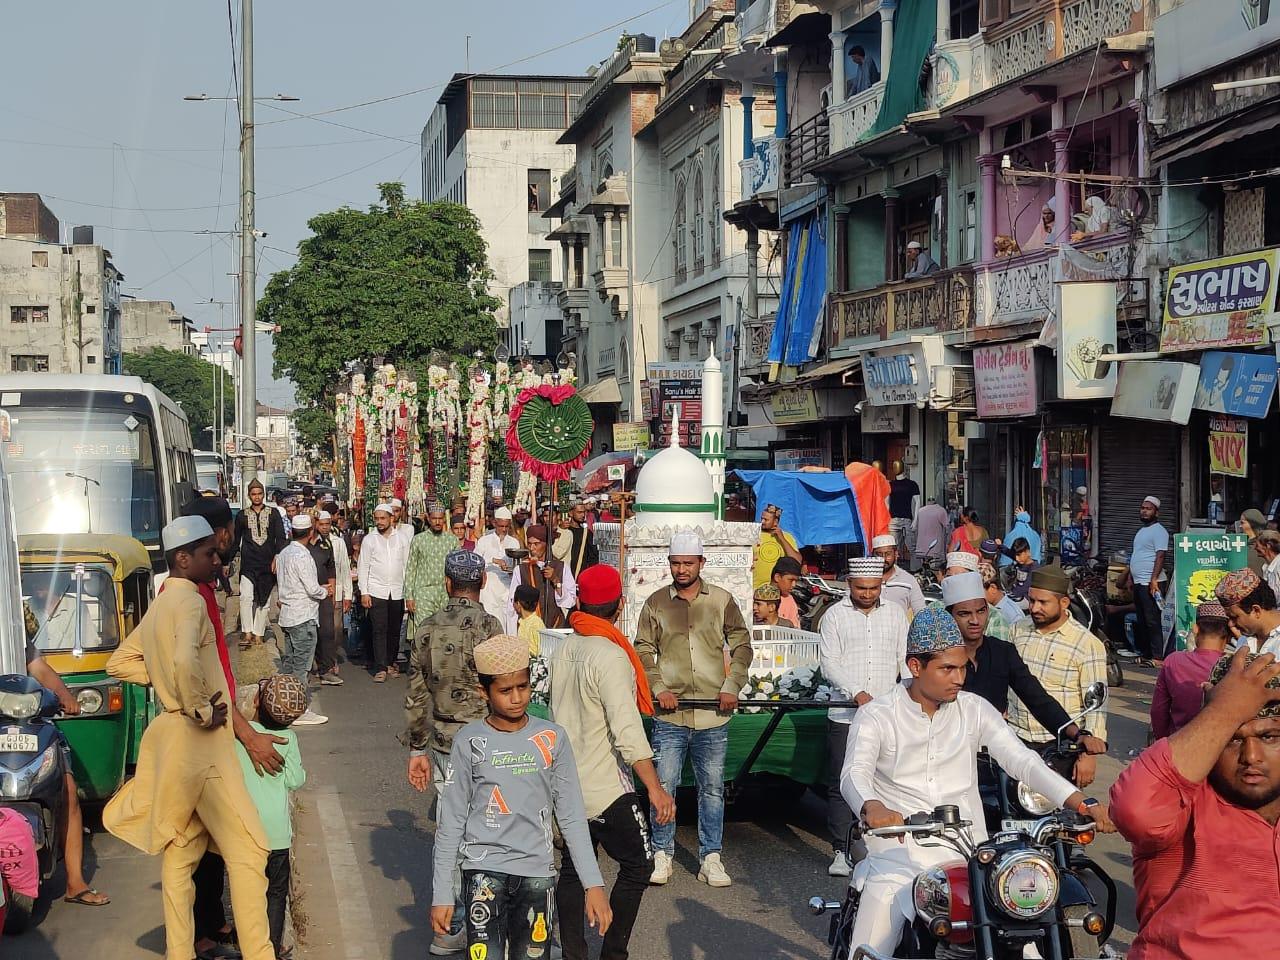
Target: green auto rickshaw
point(88, 592)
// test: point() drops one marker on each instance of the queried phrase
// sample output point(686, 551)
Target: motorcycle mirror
point(1096, 696)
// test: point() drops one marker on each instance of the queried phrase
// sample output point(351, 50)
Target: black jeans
point(277, 894)
point(623, 831)
point(384, 623)
point(326, 639)
point(507, 916)
point(839, 816)
point(210, 915)
point(1148, 635)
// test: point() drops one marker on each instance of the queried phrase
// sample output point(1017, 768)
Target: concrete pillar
point(944, 229)
point(887, 10)
point(988, 165)
point(609, 252)
point(623, 261)
point(579, 262)
point(944, 21)
point(753, 273)
point(892, 267)
point(748, 126)
point(838, 84)
point(781, 123)
point(842, 247)
point(564, 260)
point(1061, 186)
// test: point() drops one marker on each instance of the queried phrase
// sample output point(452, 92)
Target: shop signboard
point(793, 405)
point(1005, 379)
point(1229, 446)
point(883, 419)
point(1219, 303)
point(896, 375)
point(793, 458)
point(677, 393)
point(1159, 390)
point(631, 436)
point(1237, 383)
point(1086, 330)
point(1200, 560)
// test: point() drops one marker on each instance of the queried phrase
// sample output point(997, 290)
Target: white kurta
point(913, 763)
point(566, 597)
point(497, 583)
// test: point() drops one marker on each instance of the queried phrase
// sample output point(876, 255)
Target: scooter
point(33, 773)
point(814, 596)
point(1088, 606)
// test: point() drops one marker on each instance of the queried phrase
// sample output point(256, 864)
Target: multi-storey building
point(155, 323)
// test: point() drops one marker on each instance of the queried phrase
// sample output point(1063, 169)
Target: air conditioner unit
point(953, 388)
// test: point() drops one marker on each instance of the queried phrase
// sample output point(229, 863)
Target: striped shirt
point(1065, 661)
point(862, 652)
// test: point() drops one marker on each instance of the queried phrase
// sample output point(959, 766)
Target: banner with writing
point(1200, 560)
point(1219, 303)
point(1229, 446)
point(1005, 378)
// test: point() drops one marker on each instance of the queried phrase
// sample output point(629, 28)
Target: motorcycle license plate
point(19, 743)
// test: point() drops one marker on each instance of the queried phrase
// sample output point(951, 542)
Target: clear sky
point(93, 117)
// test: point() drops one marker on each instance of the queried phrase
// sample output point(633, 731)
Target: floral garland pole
point(479, 433)
point(378, 435)
point(526, 378)
point(550, 432)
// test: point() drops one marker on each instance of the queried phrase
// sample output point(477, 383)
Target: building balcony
point(613, 285)
point(760, 171)
point(852, 119)
point(809, 143)
point(573, 298)
point(756, 335)
point(941, 302)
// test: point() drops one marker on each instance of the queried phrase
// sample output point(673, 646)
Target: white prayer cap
point(884, 540)
point(914, 245)
point(685, 543)
point(865, 568)
point(302, 521)
point(397, 502)
point(1154, 501)
point(325, 515)
point(962, 587)
point(961, 558)
point(383, 508)
point(185, 530)
point(502, 513)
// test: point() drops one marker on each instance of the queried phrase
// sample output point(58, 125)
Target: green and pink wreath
point(550, 432)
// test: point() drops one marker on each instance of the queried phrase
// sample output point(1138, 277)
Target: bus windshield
point(78, 470)
point(62, 610)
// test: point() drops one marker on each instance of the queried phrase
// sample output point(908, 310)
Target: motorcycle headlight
point(19, 706)
point(1036, 804)
point(1024, 884)
point(90, 700)
point(932, 894)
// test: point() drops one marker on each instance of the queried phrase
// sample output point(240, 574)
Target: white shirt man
point(493, 547)
point(899, 586)
point(300, 594)
point(916, 749)
point(862, 652)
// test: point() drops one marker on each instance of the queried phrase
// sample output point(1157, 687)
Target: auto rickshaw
point(88, 592)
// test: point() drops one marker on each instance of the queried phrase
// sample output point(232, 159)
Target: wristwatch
point(1086, 806)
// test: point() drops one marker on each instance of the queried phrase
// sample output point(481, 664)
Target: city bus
point(95, 454)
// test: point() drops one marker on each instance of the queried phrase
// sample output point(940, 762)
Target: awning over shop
point(804, 289)
point(602, 391)
point(834, 368)
point(1259, 119)
point(819, 508)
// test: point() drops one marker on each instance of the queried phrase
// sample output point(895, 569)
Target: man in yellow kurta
point(189, 790)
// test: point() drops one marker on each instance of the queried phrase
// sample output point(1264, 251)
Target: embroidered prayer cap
point(884, 540)
point(1236, 585)
point(384, 508)
point(501, 654)
point(184, 530)
point(301, 522)
point(1053, 579)
point(1220, 669)
point(962, 587)
point(464, 566)
point(988, 573)
point(989, 547)
point(1154, 501)
point(1212, 611)
point(283, 698)
point(964, 560)
point(435, 506)
point(768, 593)
point(599, 584)
point(502, 513)
point(685, 543)
point(538, 531)
point(932, 631)
point(865, 568)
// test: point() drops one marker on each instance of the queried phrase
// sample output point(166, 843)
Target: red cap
point(599, 584)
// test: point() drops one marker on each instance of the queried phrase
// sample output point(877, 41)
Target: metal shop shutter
point(1138, 458)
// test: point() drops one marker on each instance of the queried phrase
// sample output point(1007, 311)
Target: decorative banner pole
point(712, 450)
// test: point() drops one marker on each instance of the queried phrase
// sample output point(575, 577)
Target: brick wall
point(26, 216)
point(644, 103)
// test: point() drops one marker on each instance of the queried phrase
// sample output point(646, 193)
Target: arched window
point(699, 221)
point(715, 226)
point(624, 360)
point(680, 234)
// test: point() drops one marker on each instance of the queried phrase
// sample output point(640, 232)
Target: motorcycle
point(814, 596)
point(32, 776)
point(1088, 606)
point(1024, 886)
point(929, 576)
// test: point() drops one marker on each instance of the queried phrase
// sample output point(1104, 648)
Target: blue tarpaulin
point(817, 508)
point(804, 286)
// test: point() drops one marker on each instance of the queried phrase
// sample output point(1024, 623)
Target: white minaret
point(713, 428)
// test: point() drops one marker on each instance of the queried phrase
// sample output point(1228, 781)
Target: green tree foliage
point(189, 381)
point(399, 281)
point(315, 429)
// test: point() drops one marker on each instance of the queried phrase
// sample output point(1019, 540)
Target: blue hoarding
point(1236, 383)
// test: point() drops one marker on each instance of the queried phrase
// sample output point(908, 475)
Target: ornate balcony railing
point(1085, 23)
point(760, 171)
point(808, 143)
point(756, 335)
point(852, 119)
point(943, 301)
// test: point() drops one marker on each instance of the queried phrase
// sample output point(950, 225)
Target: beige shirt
point(681, 645)
point(593, 696)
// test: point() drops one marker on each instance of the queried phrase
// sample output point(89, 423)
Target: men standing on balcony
point(864, 74)
point(919, 263)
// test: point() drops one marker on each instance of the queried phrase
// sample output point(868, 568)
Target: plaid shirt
point(998, 626)
point(1065, 661)
point(862, 652)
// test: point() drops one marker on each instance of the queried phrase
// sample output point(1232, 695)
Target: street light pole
point(248, 242)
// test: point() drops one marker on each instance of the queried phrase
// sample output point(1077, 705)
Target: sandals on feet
point(82, 898)
point(380, 677)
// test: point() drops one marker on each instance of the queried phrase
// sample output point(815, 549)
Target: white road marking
point(354, 914)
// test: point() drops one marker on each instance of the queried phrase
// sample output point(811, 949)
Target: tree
point(189, 381)
point(399, 281)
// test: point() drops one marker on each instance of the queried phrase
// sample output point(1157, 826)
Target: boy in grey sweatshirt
point(509, 776)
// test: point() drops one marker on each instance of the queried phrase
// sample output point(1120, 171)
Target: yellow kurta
point(174, 650)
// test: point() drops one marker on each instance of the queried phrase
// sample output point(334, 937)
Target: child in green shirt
point(280, 700)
